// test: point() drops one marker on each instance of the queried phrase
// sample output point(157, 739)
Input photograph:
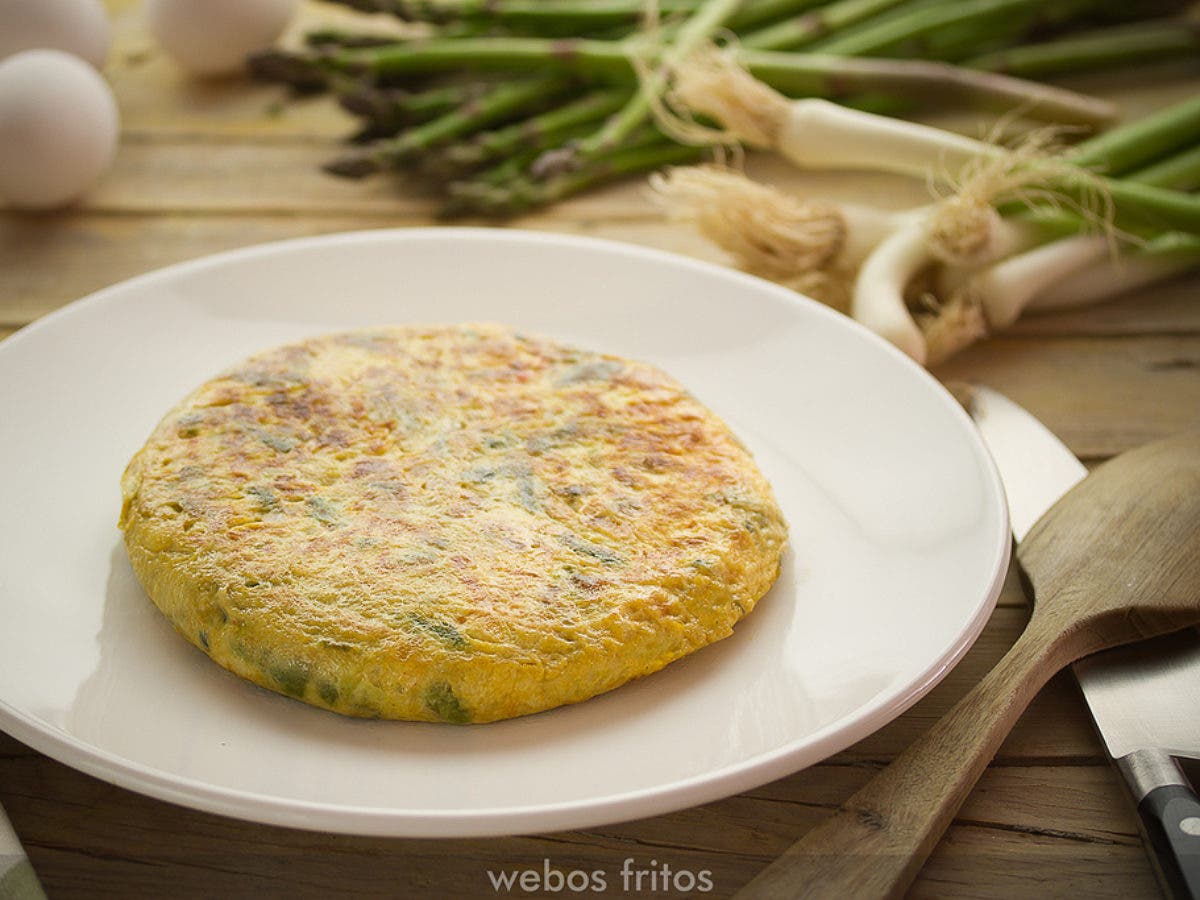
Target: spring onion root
point(814, 246)
point(950, 326)
point(767, 232)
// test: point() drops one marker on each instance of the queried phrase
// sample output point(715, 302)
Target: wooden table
point(204, 168)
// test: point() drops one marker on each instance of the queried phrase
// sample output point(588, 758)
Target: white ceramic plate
point(899, 541)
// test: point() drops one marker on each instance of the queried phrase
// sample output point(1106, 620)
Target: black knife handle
point(1171, 814)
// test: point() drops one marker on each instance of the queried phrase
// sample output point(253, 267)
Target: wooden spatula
point(1116, 560)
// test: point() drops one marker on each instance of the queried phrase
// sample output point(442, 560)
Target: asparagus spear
point(500, 174)
point(303, 73)
point(798, 31)
point(460, 162)
point(1181, 171)
point(792, 73)
point(387, 111)
point(326, 38)
point(1117, 45)
point(941, 31)
point(516, 195)
point(697, 30)
point(580, 14)
point(843, 79)
point(542, 132)
point(1143, 141)
point(499, 104)
point(602, 60)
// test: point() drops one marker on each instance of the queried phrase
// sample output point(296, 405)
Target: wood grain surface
point(205, 167)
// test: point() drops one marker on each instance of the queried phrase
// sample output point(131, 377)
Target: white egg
point(58, 128)
point(213, 37)
point(75, 26)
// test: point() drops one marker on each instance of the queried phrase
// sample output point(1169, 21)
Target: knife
point(1145, 698)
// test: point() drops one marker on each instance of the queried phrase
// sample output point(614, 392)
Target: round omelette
point(447, 523)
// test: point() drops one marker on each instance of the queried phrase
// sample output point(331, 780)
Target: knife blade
point(1145, 698)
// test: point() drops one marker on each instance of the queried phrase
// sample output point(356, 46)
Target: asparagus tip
point(465, 156)
point(443, 167)
point(554, 162)
point(352, 165)
point(466, 198)
point(299, 72)
point(330, 39)
point(364, 101)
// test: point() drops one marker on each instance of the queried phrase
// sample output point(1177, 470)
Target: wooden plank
point(1088, 801)
point(1060, 826)
point(185, 175)
point(989, 863)
point(1166, 308)
point(1003, 842)
point(1101, 395)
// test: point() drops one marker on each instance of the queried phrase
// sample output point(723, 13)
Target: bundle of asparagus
point(512, 104)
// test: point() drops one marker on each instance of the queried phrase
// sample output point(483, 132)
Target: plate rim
point(639, 803)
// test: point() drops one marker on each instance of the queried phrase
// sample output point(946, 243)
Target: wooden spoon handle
point(877, 841)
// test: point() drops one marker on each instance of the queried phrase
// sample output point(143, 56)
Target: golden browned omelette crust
point(456, 523)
